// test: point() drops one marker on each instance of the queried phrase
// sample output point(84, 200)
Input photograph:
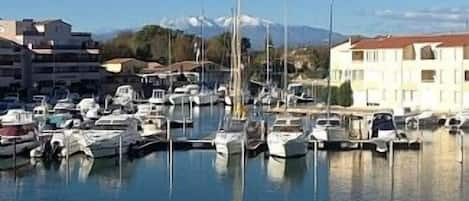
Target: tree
point(345, 97)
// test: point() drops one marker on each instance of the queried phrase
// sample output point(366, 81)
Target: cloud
point(426, 20)
point(448, 15)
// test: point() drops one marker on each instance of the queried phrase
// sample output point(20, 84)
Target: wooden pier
point(255, 147)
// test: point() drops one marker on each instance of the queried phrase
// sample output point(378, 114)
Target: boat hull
point(287, 149)
point(179, 99)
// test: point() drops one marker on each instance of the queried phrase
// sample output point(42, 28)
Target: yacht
point(88, 106)
point(154, 126)
point(17, 128)
point(159, 97)
point(382, 129)
point(297, 94)
point(267, 96)
point(204, 97)
point(328, 129)
point(287, 137)
point(124, 96)
point(103, 139)
point(65, 104)
point(231, 138)
point(458, 121)
point(182, 95)
point(10, 102)
point(66, 141)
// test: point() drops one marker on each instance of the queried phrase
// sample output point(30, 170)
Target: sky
point(367, 17)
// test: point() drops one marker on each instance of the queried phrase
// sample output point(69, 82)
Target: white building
point(420, 72)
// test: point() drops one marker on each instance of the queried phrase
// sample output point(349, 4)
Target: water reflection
point(231, 170)
point(286, 172)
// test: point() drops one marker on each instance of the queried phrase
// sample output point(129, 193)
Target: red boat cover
point(12, 131)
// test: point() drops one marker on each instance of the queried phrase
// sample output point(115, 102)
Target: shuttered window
point(428, 76)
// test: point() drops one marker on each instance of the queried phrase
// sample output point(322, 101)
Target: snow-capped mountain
point(253, 28)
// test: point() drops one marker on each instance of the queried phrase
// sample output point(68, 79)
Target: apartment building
point(50, 54)
point(10, 64)
point(421, 72)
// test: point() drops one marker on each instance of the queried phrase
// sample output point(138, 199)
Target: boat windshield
point(286, 129)
point(331, 122)
point(110, 127)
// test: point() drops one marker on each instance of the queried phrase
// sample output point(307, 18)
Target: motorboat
point(328, 128)
point(287, 137)
point(459, 121)
point(88, 107)
point(382, 129)
point(224, 95)
point(297, 94)
point(204, 97)
point(267, 96)
point(232, 137)
point(18, 132)
point(65, 104)
point(382, 126)
point(154, 126)
point(125, 95)
point(182, 95)
point(108, 133)
point(63, 142)
point(10, 102)
point(159, 97)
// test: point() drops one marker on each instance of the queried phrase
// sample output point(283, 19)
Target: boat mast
point(267, 42)
point(331, 6)
point(202, 33)
point(238, 99)
point(285, 52)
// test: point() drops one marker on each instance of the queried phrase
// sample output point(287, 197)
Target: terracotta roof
point(445, 40)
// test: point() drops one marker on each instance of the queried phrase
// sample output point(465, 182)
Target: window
point(426, 53)
point(357, 56)
point(428, 76)
point(466, 76)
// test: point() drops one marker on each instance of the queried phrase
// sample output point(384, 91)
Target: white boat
point(63, 142)
point(154, 126)
point(86, 105)
point(297, 94)
point(17, 129)
point(328, 129)
point(182, 95)
point(104, 138)
point(40, 112)
point(458, 121)
point(125, 95)
point(204, 97)
point(159, 97)
point(267, 96)
point(382, 128)
point(231, 139)
point(287, 137)
point(65, 104)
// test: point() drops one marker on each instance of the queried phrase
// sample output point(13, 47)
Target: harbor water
point(431, 173)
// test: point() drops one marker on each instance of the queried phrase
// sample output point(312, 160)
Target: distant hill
point(253, 28)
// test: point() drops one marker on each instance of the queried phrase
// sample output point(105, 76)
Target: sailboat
point(268, 94)
point(203, 96)
point(231, 137)
point(288, 134)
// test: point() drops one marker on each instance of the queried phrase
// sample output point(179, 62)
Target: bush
point(342, 95)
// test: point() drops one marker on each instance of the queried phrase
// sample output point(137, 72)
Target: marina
point(234, 107)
